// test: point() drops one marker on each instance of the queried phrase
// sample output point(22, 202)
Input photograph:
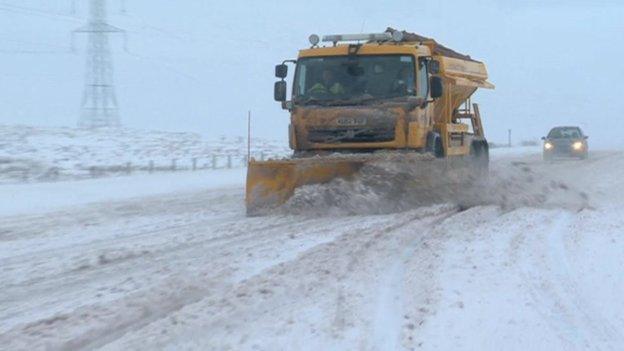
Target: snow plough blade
point(403, 177)
point(272, 183)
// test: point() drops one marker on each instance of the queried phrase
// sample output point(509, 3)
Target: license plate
point(349, 121)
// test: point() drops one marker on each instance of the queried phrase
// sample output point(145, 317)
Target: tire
point(438, 149)
point(434, 145)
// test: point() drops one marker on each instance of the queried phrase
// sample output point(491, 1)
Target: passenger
point(327, 85)
point(404, 83)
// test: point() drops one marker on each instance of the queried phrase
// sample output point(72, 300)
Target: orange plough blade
point(271, 183)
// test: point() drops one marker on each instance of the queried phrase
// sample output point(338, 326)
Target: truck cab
point(393, 90)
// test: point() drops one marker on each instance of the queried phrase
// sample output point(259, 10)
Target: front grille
point(350, 135)
point(562, 143)
point(562, 146)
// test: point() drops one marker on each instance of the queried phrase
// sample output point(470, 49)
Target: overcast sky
point(199, 65)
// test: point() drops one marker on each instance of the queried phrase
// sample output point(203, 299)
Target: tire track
point(322, 266)
point(554, 291)
point(115, 273)
point(248, 235)
point(359, 253)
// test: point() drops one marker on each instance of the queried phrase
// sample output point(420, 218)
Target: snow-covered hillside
point(38, 153)
point(187, 270)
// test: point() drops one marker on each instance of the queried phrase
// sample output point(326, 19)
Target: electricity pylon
point(99, 103)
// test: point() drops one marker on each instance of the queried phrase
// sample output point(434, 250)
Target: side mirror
point(279, 91)
point(436, 87)
point(281, 71)
point(543, 138)
point(586, 137)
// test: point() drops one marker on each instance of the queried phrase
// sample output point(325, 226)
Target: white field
point(171, 266)
point(72, 152)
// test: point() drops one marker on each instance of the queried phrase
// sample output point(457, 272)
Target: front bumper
point(565, 151)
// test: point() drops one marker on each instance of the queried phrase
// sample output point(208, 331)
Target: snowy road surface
point(188, 270)
point(45, 197)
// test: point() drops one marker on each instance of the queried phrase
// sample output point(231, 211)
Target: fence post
point(55, 173)
point(194, 163)
point(229, 161)
point(262, 156)
point(150, 167)
point(214, 161)
point(173, 164)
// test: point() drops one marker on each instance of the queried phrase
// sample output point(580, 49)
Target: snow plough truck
point(356, 96)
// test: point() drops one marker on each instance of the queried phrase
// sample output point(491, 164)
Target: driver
point(327, 85)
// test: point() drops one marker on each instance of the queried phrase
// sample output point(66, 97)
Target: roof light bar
point(334, 38)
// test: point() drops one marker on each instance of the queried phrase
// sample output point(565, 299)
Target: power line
point(53, 48)
point(29, 11)
point(22, 10)
point(31, 52)
point(163, 64)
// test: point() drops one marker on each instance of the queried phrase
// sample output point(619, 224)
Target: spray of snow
point(384, 186)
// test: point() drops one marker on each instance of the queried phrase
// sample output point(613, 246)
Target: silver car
point(565, 142)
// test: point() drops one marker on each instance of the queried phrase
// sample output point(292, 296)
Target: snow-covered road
point(187, 270)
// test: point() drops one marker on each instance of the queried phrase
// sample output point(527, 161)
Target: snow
point(514, 151)
point(26, 198)
point(47, 153)
point(522, 287)
point(169, 261)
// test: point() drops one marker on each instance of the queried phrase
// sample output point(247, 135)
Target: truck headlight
point(577, 145)
point(548, 146)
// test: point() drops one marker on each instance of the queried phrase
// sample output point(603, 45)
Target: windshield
point(564, 133)
point(343, 79)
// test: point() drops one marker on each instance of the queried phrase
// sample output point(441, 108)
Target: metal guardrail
point(213, 162)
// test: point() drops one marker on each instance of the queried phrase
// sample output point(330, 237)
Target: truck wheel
point(438, 149)
point(434, 145)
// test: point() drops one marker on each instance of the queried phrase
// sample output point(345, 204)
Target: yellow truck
point(357, 95)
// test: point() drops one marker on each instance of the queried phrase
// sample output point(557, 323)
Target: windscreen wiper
point(353, 101)
point(311, 100)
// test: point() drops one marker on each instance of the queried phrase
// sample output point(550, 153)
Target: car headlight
point(577, 145)
point(548, 146)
